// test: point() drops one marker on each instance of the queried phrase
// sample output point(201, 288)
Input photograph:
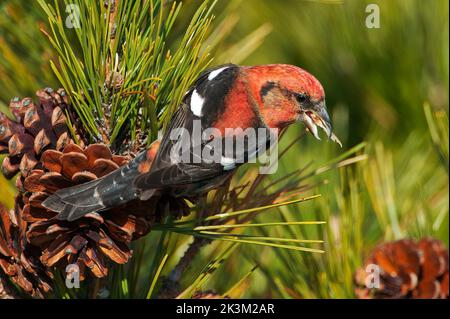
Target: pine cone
point(39, 146)
point(95, 240)
point(407, 270)
point(36, 127)
point(20, 261)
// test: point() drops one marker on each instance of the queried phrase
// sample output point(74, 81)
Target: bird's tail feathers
point(111, 190)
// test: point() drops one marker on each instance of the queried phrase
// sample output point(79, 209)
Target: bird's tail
point(111, 190)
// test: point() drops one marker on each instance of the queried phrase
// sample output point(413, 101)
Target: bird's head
point(288, 94)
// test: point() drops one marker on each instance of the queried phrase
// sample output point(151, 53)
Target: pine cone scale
point(16, 261)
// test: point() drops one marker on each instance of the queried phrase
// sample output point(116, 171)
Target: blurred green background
point(387, 87)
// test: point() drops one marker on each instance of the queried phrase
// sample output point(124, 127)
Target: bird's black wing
point(175, 167)
point(168, 168)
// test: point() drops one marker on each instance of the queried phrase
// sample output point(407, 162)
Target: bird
point(226, 98)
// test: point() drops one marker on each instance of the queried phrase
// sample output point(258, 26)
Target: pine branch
point(171, 285)
point(125, 80)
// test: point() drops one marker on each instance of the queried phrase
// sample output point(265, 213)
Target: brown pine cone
point(407, 270)
point(20, 261)
point(37, 127)
point(38, 144)
point(97, 239)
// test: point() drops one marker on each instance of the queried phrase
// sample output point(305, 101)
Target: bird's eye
point(301, 97)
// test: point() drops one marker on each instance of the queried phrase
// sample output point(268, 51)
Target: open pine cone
point(407, 270)
point(39, 147)
point(37, 127)
point(91, 242)
point(19, 261)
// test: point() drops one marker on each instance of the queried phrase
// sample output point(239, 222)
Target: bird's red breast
point(238, 110)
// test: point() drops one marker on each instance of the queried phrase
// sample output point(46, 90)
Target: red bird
point(226, 97)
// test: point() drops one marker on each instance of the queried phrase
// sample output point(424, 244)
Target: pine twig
point(171, 284)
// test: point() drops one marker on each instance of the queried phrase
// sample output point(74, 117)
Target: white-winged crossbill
point(226, 101)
